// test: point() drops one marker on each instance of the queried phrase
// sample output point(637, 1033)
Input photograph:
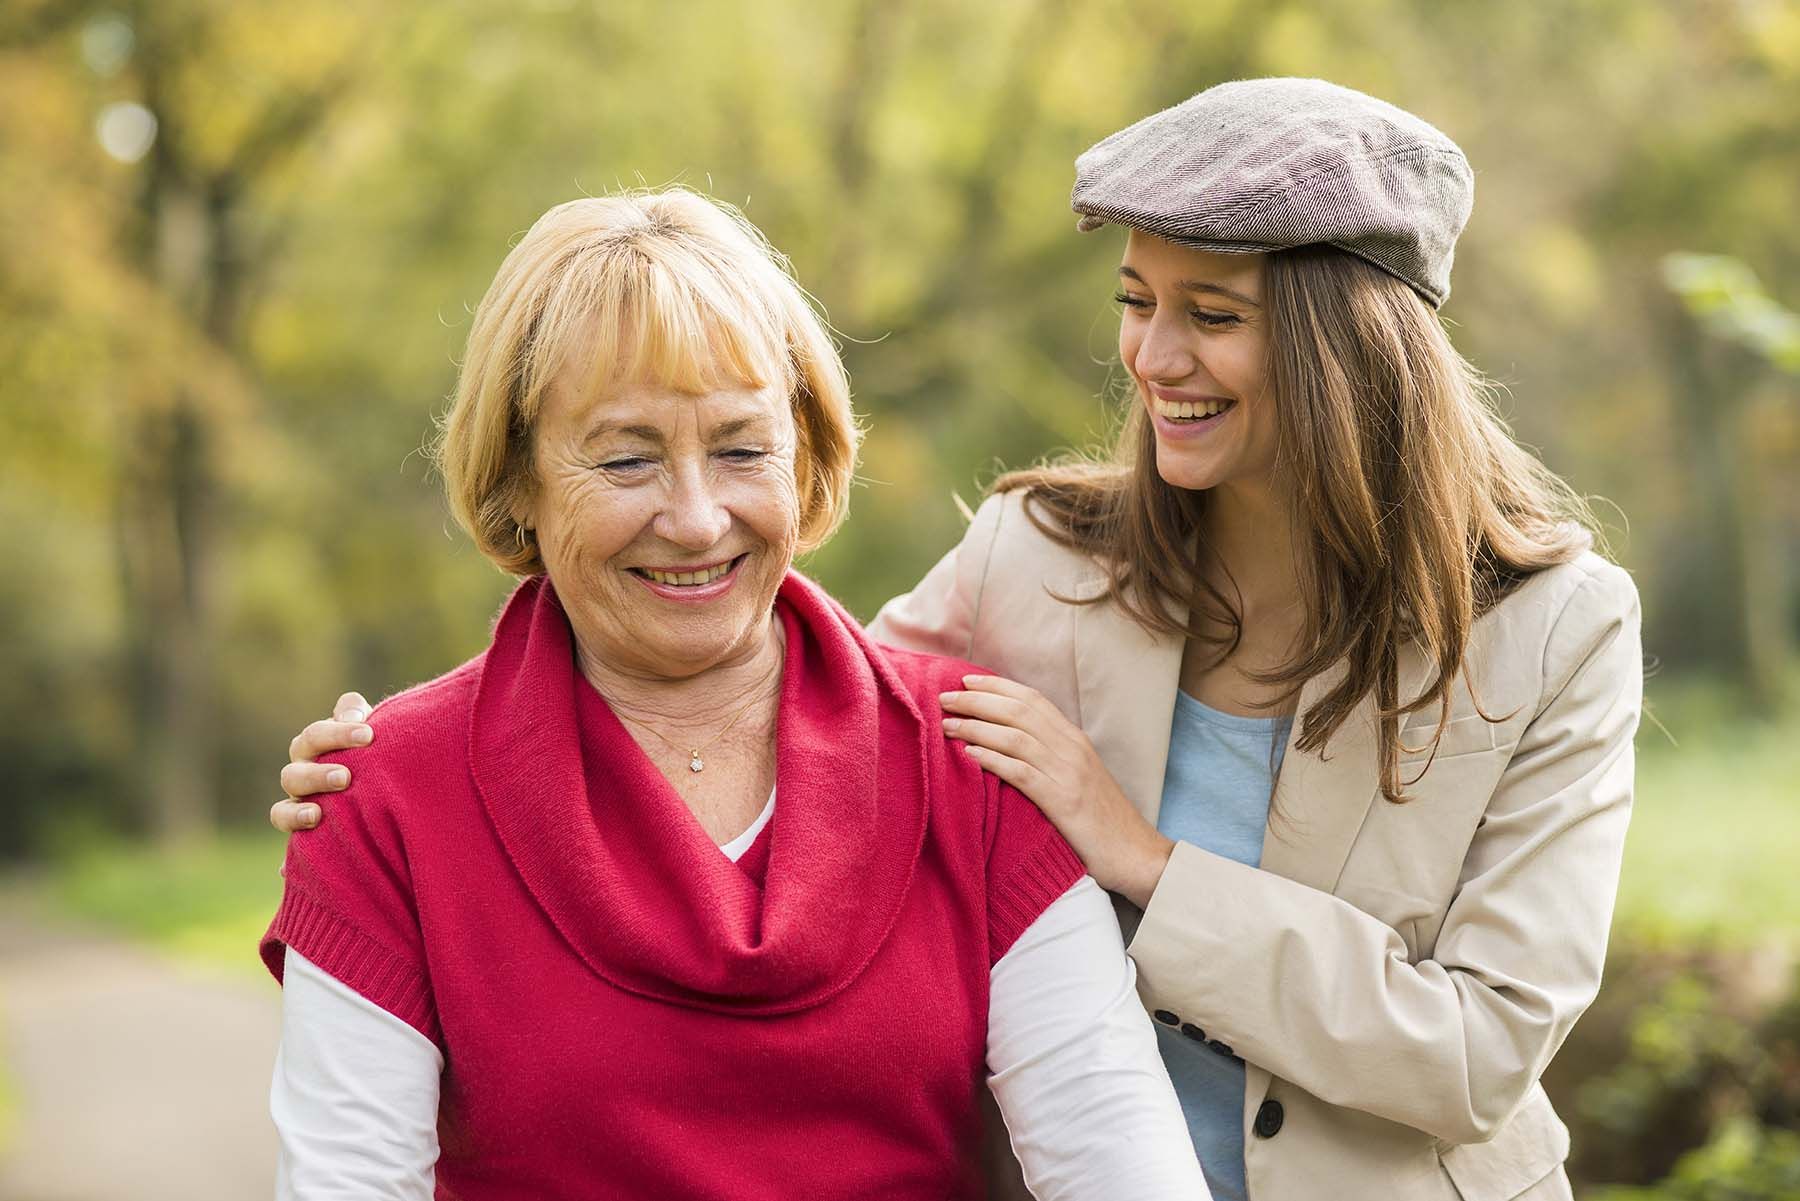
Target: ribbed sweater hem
point(1033, 884)
point(353, 958)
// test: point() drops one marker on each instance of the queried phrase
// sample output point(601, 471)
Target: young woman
point(1319, 673)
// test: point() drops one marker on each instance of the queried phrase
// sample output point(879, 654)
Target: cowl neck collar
point(621, 867)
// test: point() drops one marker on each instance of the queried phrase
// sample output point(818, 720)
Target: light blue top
point(1216, 793)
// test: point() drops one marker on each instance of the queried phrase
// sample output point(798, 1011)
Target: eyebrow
point(1198, 285)
point(650, 433)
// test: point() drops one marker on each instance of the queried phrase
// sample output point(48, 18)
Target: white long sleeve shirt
point(1072, 1058)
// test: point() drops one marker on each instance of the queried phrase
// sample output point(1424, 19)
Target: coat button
point(1216, 1045)
point(1165, 1017)
point(1268, 1119)
point(1194, 1032)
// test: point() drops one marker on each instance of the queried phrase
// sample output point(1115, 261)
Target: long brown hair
point(1415, 511)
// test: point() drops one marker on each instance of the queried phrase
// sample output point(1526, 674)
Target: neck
point(695, 706)
point(1248, 528)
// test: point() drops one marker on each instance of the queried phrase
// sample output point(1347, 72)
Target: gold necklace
point(696, 764)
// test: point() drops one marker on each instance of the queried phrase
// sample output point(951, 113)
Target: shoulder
point(422, 708)
point(1560, 617)
point(1582, 592)
point(1021, 571)
point(1015, 529)
point(1000, 583)
point(922, 675)
point(421, 734)
point(355, 869)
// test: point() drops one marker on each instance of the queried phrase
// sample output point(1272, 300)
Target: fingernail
point(337, 777)
point(309, 815)
point(357, 715)
point(951, 723)
point(362, 735)
point(948, 696)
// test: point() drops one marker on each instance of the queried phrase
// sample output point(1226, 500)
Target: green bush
point(1743, 1162)
point(1685, 1076)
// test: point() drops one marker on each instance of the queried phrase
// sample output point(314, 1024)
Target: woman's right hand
point(347, 727)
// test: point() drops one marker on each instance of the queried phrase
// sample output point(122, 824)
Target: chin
point(1178, 471)
point(698, 643)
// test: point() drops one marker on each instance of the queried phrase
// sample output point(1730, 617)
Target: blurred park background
point(239, 247)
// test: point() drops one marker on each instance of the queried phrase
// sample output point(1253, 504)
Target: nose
point(694, 517)
point(1166, 352)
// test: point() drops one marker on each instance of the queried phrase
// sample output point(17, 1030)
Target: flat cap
point(1267, 164)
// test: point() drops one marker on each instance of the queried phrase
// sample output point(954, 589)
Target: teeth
point(1190, 410)
point(688, 578)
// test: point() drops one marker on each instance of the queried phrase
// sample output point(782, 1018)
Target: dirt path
point(133, 1076)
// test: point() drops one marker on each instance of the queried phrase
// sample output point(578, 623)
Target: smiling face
point(1194, 338)
point(666, 520)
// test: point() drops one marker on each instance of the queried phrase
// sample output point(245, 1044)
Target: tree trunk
point(1728, 577)
point(168, 531)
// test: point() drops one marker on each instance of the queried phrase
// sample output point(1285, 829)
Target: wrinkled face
point(666, 521)
point(1194, 338)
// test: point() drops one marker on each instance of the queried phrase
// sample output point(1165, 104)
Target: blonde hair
point(657, 286)
point(1416, 510)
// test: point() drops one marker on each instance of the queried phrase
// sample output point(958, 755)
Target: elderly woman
point(678, 889)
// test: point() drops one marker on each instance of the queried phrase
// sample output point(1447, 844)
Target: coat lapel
point(1322, 797)
point(1126, 679)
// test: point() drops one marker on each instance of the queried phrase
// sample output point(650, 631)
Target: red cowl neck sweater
point(623, 1011)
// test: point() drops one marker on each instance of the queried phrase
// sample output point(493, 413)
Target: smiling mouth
point(1199, 410)
point(696, 578)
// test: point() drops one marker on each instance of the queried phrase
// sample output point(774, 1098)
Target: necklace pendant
point(694, 762)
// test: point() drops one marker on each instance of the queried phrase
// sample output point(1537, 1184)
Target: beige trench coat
point(1396, 977)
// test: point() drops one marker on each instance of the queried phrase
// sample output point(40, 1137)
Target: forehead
point(1162, 263)
point(649, 409)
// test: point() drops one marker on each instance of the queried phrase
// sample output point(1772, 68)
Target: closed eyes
point(1206, 317)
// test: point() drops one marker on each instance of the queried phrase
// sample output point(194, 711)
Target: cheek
point(774, 509)
point(581, 521)
point(1130, 340)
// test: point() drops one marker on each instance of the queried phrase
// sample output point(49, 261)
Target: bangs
point(654, 310)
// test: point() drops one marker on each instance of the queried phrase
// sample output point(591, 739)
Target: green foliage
point(367, 166)
point(1715, 797)
point(1727, 296)
point(9, 1109)
point(208, 902)
point(1687, 1046)
point(1745, 1162)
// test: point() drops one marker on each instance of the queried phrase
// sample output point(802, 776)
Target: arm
point(1312, 989)
point(1320, 993)
point(1075, 1068)
point(355, 1095)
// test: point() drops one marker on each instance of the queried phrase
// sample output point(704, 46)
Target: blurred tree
point(1728, 381)
point(228, 92)
point(239, 244)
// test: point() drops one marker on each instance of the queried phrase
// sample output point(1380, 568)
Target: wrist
point(1147, 869)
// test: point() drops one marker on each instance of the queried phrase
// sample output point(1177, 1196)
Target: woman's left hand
point(1014, 732)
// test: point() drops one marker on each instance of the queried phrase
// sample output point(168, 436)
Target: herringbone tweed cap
point(1265, 164)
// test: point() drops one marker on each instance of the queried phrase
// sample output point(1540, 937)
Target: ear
point(521, 504)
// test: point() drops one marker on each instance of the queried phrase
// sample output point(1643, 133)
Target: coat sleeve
point(1321, 994)
point(939, 615)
